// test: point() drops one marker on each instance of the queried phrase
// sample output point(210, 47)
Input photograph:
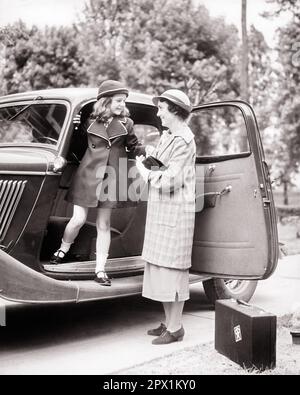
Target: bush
point(289, 215)
point(288, 211)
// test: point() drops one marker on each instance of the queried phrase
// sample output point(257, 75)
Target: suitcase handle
point(239, 301)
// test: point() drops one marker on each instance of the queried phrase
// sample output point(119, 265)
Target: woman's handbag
point(152, 163)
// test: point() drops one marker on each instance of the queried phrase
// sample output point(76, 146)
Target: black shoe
point(103, 280)
point(169, 337)
point(57, 259)
point(157, 331)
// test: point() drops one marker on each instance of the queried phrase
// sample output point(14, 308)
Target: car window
point(219, 131)
point(36, 123)
point(147, 134)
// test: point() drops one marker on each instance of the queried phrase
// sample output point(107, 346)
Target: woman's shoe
point(157, 331)
point(168, 337)
point(58, 257)
point(103, 280)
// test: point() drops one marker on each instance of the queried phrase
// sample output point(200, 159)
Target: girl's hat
point(177, 97)
point(110, 88)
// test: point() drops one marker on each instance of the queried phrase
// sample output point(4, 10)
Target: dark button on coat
point(100, 168)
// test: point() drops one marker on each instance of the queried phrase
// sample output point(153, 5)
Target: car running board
point(114, 265)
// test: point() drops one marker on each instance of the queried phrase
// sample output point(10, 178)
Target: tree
point(9, 36)
point(38, 59)
point(263, 78)
point(159, 44)
point(149, 45)
point(153, 46)
point(287, 104)
point(282, 6)
point(245, 60)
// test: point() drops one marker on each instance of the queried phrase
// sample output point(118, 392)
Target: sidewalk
point(280, 294)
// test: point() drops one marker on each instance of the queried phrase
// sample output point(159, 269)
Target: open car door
point(235, 231)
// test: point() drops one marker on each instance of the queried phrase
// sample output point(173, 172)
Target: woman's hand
point(141, 168)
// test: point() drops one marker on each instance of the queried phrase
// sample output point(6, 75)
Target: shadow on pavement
point(30, 327)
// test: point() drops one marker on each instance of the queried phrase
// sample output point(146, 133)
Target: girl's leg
point(103, 239)
point(75, 224)
point(71, 232)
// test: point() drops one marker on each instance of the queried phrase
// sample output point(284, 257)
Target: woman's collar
point(184, 132)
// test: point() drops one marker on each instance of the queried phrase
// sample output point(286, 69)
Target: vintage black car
point(41, 144)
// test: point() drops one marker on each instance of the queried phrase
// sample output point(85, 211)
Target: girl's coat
point(108, 147)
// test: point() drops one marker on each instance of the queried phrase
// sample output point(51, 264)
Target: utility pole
point(245, 55)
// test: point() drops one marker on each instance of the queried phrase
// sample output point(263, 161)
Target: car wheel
point(217, 288)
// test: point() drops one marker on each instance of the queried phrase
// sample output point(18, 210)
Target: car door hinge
point(267, 202)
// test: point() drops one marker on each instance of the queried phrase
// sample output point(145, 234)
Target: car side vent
point(10, 195)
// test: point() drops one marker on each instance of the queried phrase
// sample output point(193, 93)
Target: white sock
point(100, 262)
point(65, 247)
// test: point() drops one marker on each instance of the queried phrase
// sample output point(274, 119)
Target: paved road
point(103, 337)
point(280, 294)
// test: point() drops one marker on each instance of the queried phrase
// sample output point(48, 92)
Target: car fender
point(21, 284)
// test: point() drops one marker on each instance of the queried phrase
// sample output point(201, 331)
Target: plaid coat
point(171, 202)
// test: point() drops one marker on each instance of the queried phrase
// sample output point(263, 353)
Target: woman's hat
point(110, 88)
point(177, 97)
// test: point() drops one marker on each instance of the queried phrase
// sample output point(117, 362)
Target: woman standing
point(96, 183)
point(170, 216)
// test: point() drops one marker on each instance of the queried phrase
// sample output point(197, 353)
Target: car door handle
point(225, 190)
point(210, 198)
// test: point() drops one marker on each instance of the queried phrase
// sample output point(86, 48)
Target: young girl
point(110, 137)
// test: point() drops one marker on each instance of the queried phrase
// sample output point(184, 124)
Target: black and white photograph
point(149, 190)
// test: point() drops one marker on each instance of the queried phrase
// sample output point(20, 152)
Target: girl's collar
point(109, 120)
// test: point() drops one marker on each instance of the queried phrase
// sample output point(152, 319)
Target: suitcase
point(245, 334)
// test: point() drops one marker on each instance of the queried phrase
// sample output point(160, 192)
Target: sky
point(64, 12)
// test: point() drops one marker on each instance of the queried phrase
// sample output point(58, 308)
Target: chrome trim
point(52, 173)
point(10, 195)
point(22, 173)
point(134, 264)
point(31, 211)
